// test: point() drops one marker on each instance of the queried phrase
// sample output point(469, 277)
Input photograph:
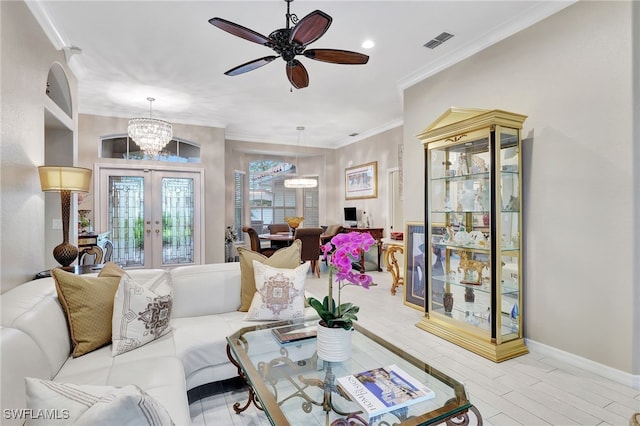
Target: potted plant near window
point(336, 318)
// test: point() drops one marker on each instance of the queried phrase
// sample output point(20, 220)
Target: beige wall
point(26, 55)
point(571, 74)
point(91, 129)
point(382, 148)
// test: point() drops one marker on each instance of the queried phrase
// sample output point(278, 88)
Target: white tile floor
point(529, 390)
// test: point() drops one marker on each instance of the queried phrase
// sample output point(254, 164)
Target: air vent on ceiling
point(437, 41)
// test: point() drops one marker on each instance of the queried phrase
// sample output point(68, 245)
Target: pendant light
point(150, 134)
point(298, 182)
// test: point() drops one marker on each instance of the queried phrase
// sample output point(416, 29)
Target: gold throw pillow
point(110, 269)
point(88, 304)
point(287, 257)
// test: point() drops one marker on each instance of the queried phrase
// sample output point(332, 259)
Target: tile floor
point(529, 390)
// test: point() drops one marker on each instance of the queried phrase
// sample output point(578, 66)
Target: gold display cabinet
point(474, 226)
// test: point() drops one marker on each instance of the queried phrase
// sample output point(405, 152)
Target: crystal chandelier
point(150, 134)
point(298, 182)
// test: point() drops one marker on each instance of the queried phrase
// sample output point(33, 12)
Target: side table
point(76, 269)
point(391, 247)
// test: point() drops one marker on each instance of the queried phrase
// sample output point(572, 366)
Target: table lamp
point(65, 180)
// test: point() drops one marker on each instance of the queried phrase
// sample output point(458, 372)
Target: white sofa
point(35, 341)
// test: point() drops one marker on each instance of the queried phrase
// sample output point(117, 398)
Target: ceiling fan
point(290, 42)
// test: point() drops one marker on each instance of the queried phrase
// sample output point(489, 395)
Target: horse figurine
point(468, 265)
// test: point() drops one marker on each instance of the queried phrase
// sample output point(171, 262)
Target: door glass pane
point(177, 220)
point(126, 219)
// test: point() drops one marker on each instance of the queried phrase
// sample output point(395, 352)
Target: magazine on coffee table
point(295, 332)
point(382, 390)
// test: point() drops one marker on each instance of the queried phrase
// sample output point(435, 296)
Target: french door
point(154, 216)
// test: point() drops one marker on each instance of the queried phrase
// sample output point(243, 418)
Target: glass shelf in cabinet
point(466, 211)
point(468, 176)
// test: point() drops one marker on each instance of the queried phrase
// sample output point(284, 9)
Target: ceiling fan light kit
point(290, 42)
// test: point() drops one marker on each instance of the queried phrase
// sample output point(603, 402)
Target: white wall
point(26, 56)
point(572, 75)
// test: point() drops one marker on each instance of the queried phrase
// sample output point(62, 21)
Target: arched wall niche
point(59, 128)
point(58, 88)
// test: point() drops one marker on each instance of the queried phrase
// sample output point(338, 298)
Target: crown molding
point(527, 18)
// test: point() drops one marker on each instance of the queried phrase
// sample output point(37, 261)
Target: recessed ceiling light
point(368, 44)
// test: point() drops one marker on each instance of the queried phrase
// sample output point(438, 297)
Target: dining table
point(282, 239)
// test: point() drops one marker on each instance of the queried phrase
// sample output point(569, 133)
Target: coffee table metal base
point(329, 388)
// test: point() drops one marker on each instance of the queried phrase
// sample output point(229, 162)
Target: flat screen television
point(350, 216)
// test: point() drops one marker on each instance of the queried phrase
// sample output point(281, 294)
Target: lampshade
point(150, 134)
point(63, 178)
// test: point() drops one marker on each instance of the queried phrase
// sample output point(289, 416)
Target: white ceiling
point(131, 50)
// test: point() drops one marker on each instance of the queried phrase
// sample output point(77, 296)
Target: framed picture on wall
point(361, 181)
point(415, 272)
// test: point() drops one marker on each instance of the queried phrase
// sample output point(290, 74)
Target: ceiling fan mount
point(290, 42)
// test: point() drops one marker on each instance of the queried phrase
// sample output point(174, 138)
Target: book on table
point(295, 332)
point(383, 390)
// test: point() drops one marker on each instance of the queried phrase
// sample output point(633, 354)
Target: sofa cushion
point(205, 289)
point(287, 257)
point(88, 304)
point(94, 405)
point(279, 293)
point(141, 312)
point(155, 370)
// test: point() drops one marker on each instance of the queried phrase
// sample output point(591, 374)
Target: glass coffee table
point(294, 387)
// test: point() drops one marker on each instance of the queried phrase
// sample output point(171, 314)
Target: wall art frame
point(415, 272)
point(361, 181)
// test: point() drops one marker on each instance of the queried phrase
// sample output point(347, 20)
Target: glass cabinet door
point(460, 218)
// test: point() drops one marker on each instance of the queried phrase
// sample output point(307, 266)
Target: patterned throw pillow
point(88, 304)
point(141, 312)
point(287, 257)
point(279, 293)
point(93, 405)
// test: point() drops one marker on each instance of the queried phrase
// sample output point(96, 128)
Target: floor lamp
point(65, 180)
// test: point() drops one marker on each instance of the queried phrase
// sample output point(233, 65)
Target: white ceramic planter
point(334, 344)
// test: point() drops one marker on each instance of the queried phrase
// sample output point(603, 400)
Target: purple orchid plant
point(342, 252)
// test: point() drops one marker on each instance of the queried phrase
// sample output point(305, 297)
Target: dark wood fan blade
point(297, 74)
point(239, 31)
point(250, 66)
point(310, 28)
point(336, 56)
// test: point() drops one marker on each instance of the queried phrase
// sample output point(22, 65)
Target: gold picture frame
point(361, 181)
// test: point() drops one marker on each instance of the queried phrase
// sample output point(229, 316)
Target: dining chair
point(275, 228)
point(254, 240)
point(310, 238)
point(91, 256)
point(330, 232)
